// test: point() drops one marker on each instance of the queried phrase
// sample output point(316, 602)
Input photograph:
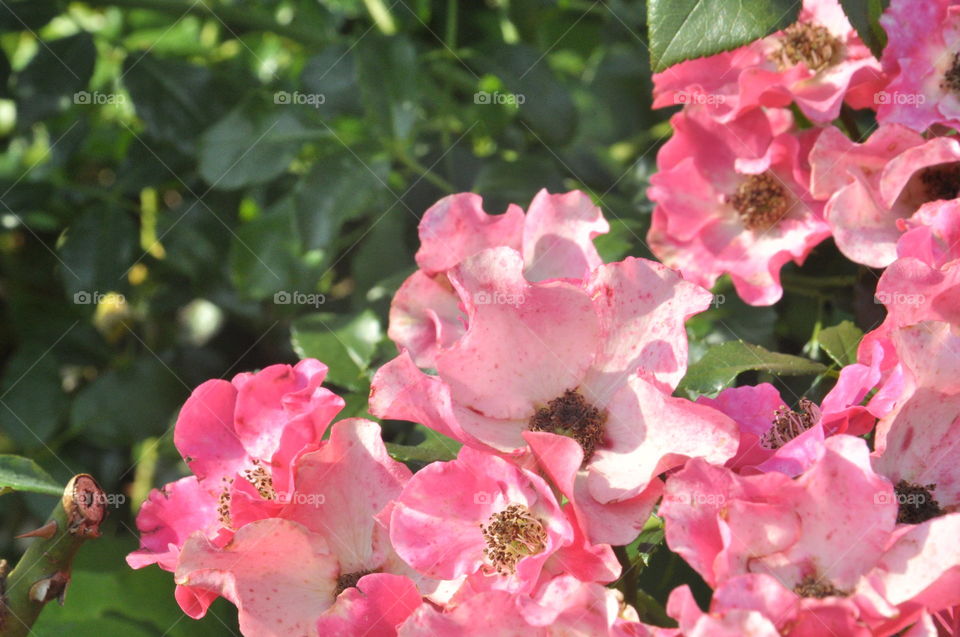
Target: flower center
point(811, 44)
point(941, 181)
point(511, 535)
point(260, 480)
point(349, 580)
point(788, 424)
point(811, 586)
point(951, 79)
point(571, 415)
point(916, 503)
point(761, 201)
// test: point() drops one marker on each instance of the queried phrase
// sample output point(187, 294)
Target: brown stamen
point(916, 503)
point(261, 481)
point(941, 181)
point(788, 424)
point(571, 415)
point(811, 586)
point(811, 44)
point(761, 201)
point(951, 79)
point(223, 504)
point(349, 580)
point(511, 535)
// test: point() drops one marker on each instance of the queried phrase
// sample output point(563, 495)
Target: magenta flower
point(733, 199)
point(819, 62)
point(555, 238)
point(594, 361)
point(324, 562)
point(870, 186)
point(921, 58)
point(797, 532)
point(488, 520)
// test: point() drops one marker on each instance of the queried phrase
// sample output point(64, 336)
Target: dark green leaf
point(435, 447)
point(98, 250)
point(722, 363)
point(264, 253)
point(33, 406)
point(345, 343)
point(681, 30)
point(840, 342)
point(332, 73)
point(864, 15)
point(23, 474)
point(244, 149)
point(50, 81)
point(386, 71)
point(23, 15)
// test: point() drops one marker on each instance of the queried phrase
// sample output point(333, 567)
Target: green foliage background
point(155, 149)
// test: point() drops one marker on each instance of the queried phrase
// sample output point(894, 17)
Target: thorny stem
point(44, 570)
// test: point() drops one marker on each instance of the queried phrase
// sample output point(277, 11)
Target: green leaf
point(48, 83)
point(864, 15)
point(244, 149)
point(264, 254)
point(722, 363)
point(681, 30)
point(435, 447)
point(33, 406)
point(840, 342)
point(23, 474)
point(386, 71)
point(332, 73)
point(98, 249)
point(22, 15)
point(344, 343)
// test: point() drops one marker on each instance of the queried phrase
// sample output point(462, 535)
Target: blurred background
point(194, 188)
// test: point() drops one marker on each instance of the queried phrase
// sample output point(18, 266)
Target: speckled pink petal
point(753, 409)
point(278, 574)
point(923, 565)
point(340, 489)
point(378, 604)
point(424, 315)
point(487, 614)
point(206, 436)
point(516, 328)
point(558, 236)
point(457, 227)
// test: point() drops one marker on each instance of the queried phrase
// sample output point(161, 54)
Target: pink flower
point(240, 439)
point(870, 186)
point(921, 57)
point(594, 361)
point(798, 532)
point(564, 606)
point(819, 62)
point(555, 237)
point(732, 198)
point(486, 519)
point(324, 562)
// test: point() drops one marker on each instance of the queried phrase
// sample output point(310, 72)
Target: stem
point(44, 570)
point(425, 172)
point(235, 17)
point(451, 33)
point(381, 16)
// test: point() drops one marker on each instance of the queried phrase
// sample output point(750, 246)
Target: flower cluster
point(551, 375)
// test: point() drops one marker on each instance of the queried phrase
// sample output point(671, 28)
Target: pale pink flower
point(819, 62)
point(595, 360)
point(555, 237)
point(921, 58)
point(870, 186)
point(732, 199)
point(325, 562)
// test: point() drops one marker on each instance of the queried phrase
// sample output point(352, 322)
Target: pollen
point(951, 79)
point(571, 415)
point(818, 588)
point(261, 481)
point(511, 535)
point(761, 201)
point(223, 504)
point(916, 503)
point(811, 44)
point(349, 580)
point(788, 424)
